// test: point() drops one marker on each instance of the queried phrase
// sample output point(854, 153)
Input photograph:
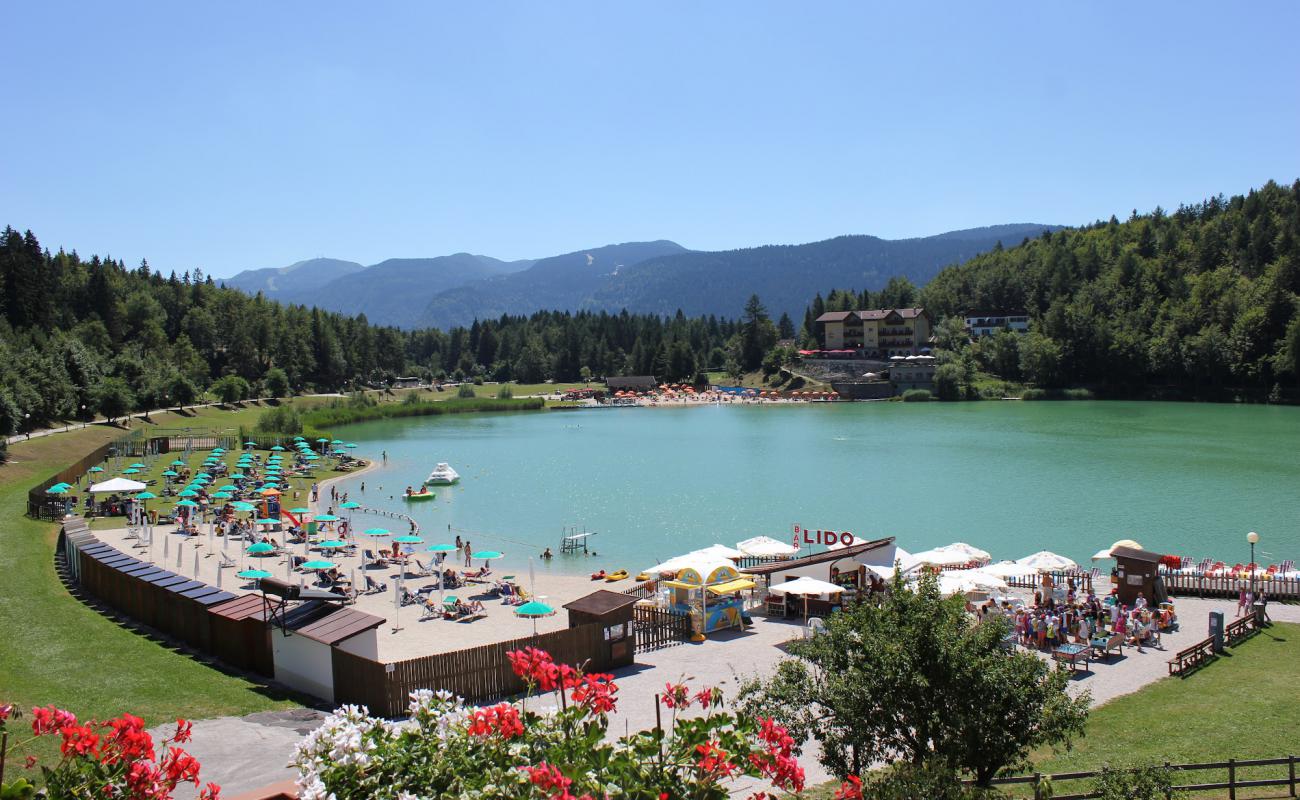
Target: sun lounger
point(371, 558)
point(372, 586)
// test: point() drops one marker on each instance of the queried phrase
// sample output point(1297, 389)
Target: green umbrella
point(137, 465)
point(145, 496)
point(350, 504)
point(130, 471)
point(377, 532)
point(95, 469)
point(187, 504)
point(261, 547)
point(487, 555)
point(331, 544)
point(409, 540)
point(252, 574)
point(326, 518)
point(534, 609)
point(170, 473)
point(443, 548)
point(243, 506)
point(277, 448)
point(189, 493)
point(222, 496)
point(319, 564)
point(268, 521)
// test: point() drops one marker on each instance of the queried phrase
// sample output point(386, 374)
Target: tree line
point(86, 336)
point(1202, 300)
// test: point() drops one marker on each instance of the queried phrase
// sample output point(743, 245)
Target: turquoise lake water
point(1010, 477)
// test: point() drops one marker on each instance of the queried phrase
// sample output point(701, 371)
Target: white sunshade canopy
point(1047, 561)
point(952, 554)
point(765, 546)
point(717, 551)
point(970, 581)
point(1105, 553)
point(117, 485)
point(1009, 569)
point(703, 561)
point(806, 586)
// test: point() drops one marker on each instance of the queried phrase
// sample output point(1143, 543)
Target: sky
point(234, 135)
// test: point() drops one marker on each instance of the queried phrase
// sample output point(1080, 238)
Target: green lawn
point(1245, 705)
point(57, 650)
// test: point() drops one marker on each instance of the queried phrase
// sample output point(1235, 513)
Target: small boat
point(643, 576)
point(598, 576)
point(423, 494)
point(442, 475)
point(618, 575)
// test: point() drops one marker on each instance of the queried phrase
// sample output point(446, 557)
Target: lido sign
point(803, 536)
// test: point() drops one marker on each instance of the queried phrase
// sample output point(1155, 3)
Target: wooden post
point(1232, 779)
point(1038, 786)
point(1291, 772)
point(1168, 792)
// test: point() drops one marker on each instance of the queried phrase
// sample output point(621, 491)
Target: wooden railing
point(1226, 586)
point(644, 590)
point(1229, 778)
point(1059, 579)
point(657, 628)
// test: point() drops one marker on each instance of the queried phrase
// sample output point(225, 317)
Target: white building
point(981, 324)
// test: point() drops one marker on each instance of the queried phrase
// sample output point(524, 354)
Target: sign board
point(803, 536)
point(1134, 580)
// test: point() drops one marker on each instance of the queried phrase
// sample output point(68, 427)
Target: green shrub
point(931, 780)
point(411, 397)
point(505, 392)
point(1078, 394)
point(1057, 394)
point(1142, 782)
point(916, 396)
point(283, 419)
point(1034, 394)
point(465, 391)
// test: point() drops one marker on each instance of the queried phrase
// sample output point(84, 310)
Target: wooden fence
point(1059, 579)
point(1229, 778)
point(657, 628)
point(1224, 586)
point(476, 674)
point(41, 505)
point(645, 590)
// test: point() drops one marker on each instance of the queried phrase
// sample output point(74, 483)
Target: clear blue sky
point(237, 135)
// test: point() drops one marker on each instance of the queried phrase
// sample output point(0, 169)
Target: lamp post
point(1252, 537)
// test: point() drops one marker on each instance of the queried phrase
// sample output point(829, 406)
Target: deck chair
point(420, 568)
point(374, 587)
point(430, 610)
point(371, 557)
point(226, 561)
point(1204, 566)
point(296, 562)
point(408, 598)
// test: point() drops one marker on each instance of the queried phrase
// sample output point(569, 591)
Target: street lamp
point(1252, 537)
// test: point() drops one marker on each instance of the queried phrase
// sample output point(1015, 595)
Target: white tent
point(765, 546)
point(694, 558)
point(1009, 569)
point(970, 581)
point(1047, 561)
point(806, 586)
point(952, 555)
point(718, 551)
point(117, 486)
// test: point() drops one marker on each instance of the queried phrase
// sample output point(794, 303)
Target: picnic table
point(1074, 654)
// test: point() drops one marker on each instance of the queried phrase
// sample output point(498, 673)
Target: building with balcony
point(982, 324)
point(881, 332)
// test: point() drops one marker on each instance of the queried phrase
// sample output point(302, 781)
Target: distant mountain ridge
point(650, 277)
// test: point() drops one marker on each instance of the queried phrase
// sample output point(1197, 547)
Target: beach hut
point(613, 611)
point(1137, 571)
point(709, 590)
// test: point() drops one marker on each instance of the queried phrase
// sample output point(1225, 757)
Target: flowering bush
point(112, 759)
point(449, 749)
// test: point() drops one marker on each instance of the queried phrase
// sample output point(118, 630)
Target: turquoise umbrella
point(326, 518)
point(319, 564)
point(58, 490)
point(350, 504)
point(145, 496)
point(137, 465)
point(187, 504)
point(300, 511)
point(229, 487)
point(238, 476)
point(189, 493)
point(534, 609)
point(268, 521)
point(409, 540)
point(222, 496)
point(243, 506)
point(376, 532)
point(250, 443)
point(270, 485)
point(261, 547)
point(170, 473)
point(61, 485)
point(95, 469)
point(322, 439)
point(203, 475)
point(488, 555)
point(331, 544)
point(252, 574)
point(443, 548)
point(299, 439)
point(313, 457)
point(277, 448)
point(337, 441)
point(178, 463)
point(130, 471)
point(350, 445)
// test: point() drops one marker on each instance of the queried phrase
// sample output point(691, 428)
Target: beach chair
point(371, 557)
point(408, 599)
point(1204, 566)
point(431, 610)
point(296, 562)
point(226, 561)
point(374, 587)
point(420, 568)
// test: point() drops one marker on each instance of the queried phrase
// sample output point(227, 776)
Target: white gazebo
point(117, 486)
point(1047, 561)
point(766, 547)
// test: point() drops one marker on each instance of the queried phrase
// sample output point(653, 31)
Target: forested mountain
point(1201, 299)
point(290, 284)
point(564, 282)
point(714, 283)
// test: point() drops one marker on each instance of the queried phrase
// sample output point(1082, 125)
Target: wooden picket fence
point(1226, 586)
point(476, 674)
point(657, 628)
point(1227, 775)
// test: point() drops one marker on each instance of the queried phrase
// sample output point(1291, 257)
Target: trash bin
point(1216, 630)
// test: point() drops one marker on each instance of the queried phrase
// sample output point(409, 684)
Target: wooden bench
point(1192, 657)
